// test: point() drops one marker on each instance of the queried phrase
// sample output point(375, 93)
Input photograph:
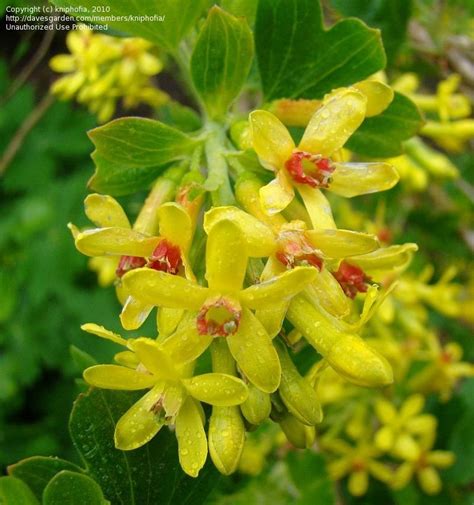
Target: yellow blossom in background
point(101, 70)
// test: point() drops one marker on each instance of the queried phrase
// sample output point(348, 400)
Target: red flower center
point(295, 250)
point(218, 318)
point(166, 258)
point(128, 263)
point(352, 279)
point(311, 169)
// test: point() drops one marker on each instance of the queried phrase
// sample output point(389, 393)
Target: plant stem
point(218, 181)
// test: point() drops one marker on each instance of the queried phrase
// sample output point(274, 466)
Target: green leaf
point(382, 136)
point(15, 492)
point(298, 58)
point(73, 489)
point(391, 16)
point(308, 471)
point(179, 116)
point(177, 17)
point(39, 470)
point(241, 8)
point(150, 474)
point(221, 60)
point(81, 359)
point(131, 152)
point(462, 441)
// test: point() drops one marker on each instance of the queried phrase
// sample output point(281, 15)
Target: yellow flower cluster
point(100, 70)
point(277, 274)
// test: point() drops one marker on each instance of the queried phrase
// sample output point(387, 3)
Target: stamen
point(166, 258)
point(128, 263)
point(218, 318)
point(317, 176)
point(295, 250)
point(352, 279)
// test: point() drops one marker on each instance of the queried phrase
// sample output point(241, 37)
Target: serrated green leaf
point(178, 17)
point(221, 60)
point(299, 58)
point(37, 471)
point(121, 473)
point(73, 489)
point(131, 152)
point(382, 136)
point(15, 492)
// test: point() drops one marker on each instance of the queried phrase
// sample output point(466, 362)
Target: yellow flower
point(400, 429)
point(443, 370)
point(100, 69)
point(310, 166)
point(299, 112)
point(174, 394)
point(424, 467)
point(224, 307)
point(358, 462)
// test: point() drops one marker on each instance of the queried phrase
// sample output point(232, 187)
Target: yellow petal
point(385, 259)
point(192, 443)
point(277, 194)
point(117, 377)
point(352, 179)
point(318, 207)
point(441, 459)
point(164, 290)
point(100, 331)
point(253, 350)
point(384, 438)
point(186, 344)
point(226, 438)
point(358, 483)
point(153, 358)
point(167, 320)
point(403, 475)
point(280, 288)
point(139, 424)
point(247, 192)
point(406, 448)
point(115, 241)
point(429, 480)
point(412, 406)
point(342, 243)
point(385, 411)
point(63, 63)
point(105, 212)
point(175, 225)
point(379, 96)
point(296, 392)
point(272, 317)
point(270, 139)
point(258, 237)
point(381, 471)
point(218, 389)
point(127, 358)
point(134, 313)
point(226, 257)
point(334, 122)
